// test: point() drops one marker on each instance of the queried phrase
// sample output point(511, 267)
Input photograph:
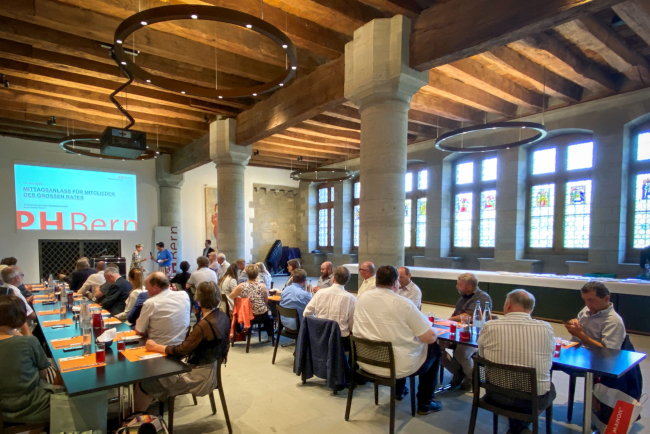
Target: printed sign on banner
point(170, 236)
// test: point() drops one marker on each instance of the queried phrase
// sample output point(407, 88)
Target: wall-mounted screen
point(54, 198)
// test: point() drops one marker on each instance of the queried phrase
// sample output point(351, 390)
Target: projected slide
point(55, 199)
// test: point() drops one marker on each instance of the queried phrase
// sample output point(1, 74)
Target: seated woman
point(27, 379)
point(136, 279)
point(180, 279)
point(228, 283)
point(264, 276)
point(258, 295)
point(205, 344)
point(292, 264)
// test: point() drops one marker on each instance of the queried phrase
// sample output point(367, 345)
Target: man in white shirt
point(409, 289)
point(94, 281)
point(202, 274)
point(214, 264)
point(12, 278)
point(223, 265)
point(165, 316)
point(336, 304)
point(517, 339)
point(367, 271)
point(382, 315)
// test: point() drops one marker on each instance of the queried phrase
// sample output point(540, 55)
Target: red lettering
point(94, 224)
point(113, 223)
point(135, 225)
point(28, 221)
point(174, 229)
point(58, 223)
point(173, 246)
point(174, 239)
point(81, 223)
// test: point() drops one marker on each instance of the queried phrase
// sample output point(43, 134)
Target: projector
point(118, 142)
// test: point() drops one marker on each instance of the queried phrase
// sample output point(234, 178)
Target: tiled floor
point(266, 398)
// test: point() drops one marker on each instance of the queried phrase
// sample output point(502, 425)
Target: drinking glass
point(465, 333)
point(87, 341)
point(100, 353)
point(432, 317)
point(121, 343)
point(62, 311)
point(97, 319)
point(558, 347)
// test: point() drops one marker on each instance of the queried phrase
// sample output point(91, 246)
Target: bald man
point(325, 279)
point(367, 271)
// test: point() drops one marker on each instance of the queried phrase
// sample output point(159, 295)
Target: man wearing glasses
point(367, 271)
point(13, 278)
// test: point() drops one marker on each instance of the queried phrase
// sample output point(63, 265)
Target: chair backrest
point(514, 381)
point(224, 301)
point(288, 313)
point(375, 353)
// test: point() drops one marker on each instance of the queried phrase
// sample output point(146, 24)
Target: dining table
point(589, 361)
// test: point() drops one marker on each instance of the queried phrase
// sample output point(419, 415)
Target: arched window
point(325, 216)
point(415, 207)
point(474, 201)
point(639, 196)
point(356, 195)
point(559, 194)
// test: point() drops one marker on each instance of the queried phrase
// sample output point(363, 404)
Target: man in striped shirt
point(517, 339)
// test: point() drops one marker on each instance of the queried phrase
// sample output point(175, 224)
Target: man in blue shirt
point(164, 258)
point(294, 296)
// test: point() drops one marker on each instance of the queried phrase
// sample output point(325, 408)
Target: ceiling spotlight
point(183, 92)
point(294, 67)
point(249, 26)
point(220, 97)
point(123, 63)
point(284, 46)
point(254, 94)
point(51, 120)
point(148, 81)
point(144, 23)
point(119, 41)
point(300, 158)
point(256, 152)
point(157, 152)
point(281, 84)
point(194, 16)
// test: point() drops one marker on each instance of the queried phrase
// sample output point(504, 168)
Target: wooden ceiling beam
point(296, 144)
point(551, 53)
point(436, 105)
point(335, 123)
point(408, 8)
point(510, 62)
point(305, 159)
point(589, 34)
point(329, 133)
point(473, 73)
point(424, 118)
point(282, 160)
point(636, 14)
point(457, 29)
point(297, 150)
point(455, 90)
point(305, 138)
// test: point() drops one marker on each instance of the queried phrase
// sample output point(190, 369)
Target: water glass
point(100, 353)
point(87, 341)
point(121, 343)
point(62, 311)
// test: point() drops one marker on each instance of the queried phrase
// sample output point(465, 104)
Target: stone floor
point(266, 398)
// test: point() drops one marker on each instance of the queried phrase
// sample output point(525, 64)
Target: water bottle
point(50, 284)
point(85, 315)
point(478, 316)
point(487, 313)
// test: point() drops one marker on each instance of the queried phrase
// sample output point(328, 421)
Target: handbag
point(613, 411)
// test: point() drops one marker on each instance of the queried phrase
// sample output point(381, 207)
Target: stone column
point(231, 161)
point(170, 192)
point(307, 228)
point(379, 81)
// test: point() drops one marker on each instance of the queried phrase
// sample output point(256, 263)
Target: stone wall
point(275, 218)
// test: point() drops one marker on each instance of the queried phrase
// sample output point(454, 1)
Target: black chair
point(170, 404)
point(282, 330)
point(224, 301)
point(259, 325)
point(515, 382)
point(378, 354)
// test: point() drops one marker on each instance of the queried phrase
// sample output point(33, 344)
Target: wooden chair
point(170, 404)
point(513, 381)
point(378, 354)
point(10, 428)
point(283, 331)
point(224, 301)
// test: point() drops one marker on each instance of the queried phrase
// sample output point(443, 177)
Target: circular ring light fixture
point(321, 175)
point(90, 141)
point(541, 133)
point(208, 13)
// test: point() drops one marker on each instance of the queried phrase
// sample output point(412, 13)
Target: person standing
point(136, 261)
point(223, 265)
point(208, 248)
point(163, 258)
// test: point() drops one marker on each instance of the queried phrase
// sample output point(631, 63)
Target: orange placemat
point(126, 335)
point(41, 296)
point(135, 354)
point(112, 321)
point(93, 305)
point(49, 312)
point(274, 298)
point(445, 322)
point(69, 364)
point(66, 321)
point(57, 344)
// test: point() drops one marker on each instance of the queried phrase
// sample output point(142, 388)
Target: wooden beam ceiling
point(636, 14)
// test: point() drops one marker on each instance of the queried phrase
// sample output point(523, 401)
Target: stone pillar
point(170, 192)
point(380, 82)
point(307, 228)
point(231, 161)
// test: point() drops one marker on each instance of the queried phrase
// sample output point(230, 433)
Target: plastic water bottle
point(85, 315)
point(478, 316)
point(487, 313)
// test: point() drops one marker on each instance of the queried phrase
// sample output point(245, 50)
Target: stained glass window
point(542, 215)
point(465, 173)
point(322, 195)
point(643, 147)
point(421, 228)
point(642, 211)
point(357, 190)
point(580, 156)
point(489, 172)
point(356, 226)
point(488, 219)
point(409, 182)
point(322, 226)
point(544, 161)
point(423, 179)
point(331, 194)
point(577, 214)
point(332, 226)
point(463, 220)
point(407, 223)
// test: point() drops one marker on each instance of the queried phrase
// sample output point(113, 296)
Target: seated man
point(336, 304)
point(165, 316)
point(367, 271)
point(296, 297)
point(461, 364)
point(117, 293)
point(382, 315)
point(517, 339)
point(99, 292)
point(241, 277)
point(94, 281)
point(214, 264)
point(202, 274)
point(25, 290)
point(13, 277)
point(325, 279)
point(407, 288)
point(598, 324)
point(80, 274)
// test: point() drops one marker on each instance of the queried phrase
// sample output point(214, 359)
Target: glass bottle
point(477, 318)
point(487, 312)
